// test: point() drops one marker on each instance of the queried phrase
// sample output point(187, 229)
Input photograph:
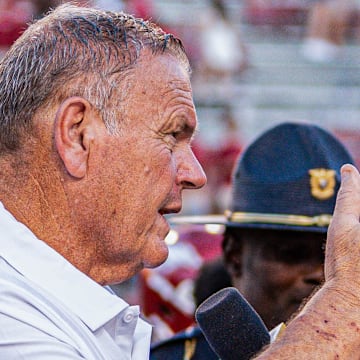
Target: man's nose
point(315, 276)
point(191, 174)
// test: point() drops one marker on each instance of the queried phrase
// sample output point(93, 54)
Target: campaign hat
point(286, 179)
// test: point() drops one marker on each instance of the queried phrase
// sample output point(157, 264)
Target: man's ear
point(74, 131)
point(232, 252)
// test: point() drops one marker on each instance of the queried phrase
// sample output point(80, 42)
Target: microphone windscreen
point(233, 329)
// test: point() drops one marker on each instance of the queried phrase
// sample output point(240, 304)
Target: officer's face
point(278, 270)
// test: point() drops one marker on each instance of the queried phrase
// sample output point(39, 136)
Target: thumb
point(343, 242)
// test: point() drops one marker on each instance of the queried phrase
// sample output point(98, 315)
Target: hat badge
point(322, 183)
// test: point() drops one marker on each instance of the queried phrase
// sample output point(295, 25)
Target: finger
point(344, 230)
point(347, 206)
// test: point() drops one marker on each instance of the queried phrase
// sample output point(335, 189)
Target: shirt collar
point(41, 264)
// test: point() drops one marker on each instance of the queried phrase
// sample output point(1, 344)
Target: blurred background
point(255, 63)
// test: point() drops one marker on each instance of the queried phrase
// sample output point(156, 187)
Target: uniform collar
point(38, 262)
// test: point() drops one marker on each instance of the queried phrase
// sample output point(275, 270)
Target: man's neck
point(33, 192)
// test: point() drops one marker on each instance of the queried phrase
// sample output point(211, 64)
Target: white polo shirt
point(50, 310)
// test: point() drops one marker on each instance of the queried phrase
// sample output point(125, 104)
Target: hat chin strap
point(297, 220)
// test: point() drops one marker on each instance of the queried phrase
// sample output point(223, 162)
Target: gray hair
point(73, 51)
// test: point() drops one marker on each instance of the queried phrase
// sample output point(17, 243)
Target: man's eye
point(175, 134)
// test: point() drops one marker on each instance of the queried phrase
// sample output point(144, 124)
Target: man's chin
point(158, 257)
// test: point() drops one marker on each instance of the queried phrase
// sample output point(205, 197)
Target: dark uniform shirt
point(186, 345)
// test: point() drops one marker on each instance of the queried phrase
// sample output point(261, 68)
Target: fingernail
point(345, 173)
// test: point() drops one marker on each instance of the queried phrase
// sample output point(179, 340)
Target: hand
point(342, 260)
point(328, 325)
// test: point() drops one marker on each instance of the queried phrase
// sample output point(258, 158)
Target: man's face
point(278, 270)
point(141, 172)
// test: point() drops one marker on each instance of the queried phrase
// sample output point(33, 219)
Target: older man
point(96, 120)
point(97, 117)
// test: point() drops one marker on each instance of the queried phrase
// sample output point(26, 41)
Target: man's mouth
point(170, 210)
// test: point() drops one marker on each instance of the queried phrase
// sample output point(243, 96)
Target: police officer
point(284, 191)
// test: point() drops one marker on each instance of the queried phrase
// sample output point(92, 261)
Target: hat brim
point(222, 220)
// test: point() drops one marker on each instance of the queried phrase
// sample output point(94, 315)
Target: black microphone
point(233, 329)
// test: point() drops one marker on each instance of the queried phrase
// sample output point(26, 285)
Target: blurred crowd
point(217, 50)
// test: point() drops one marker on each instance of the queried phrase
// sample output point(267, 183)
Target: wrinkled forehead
point(160, 84)
point(165, 69)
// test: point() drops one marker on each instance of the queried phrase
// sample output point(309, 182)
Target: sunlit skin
point(278, 270)
point(97, 198)
point(139, 175)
